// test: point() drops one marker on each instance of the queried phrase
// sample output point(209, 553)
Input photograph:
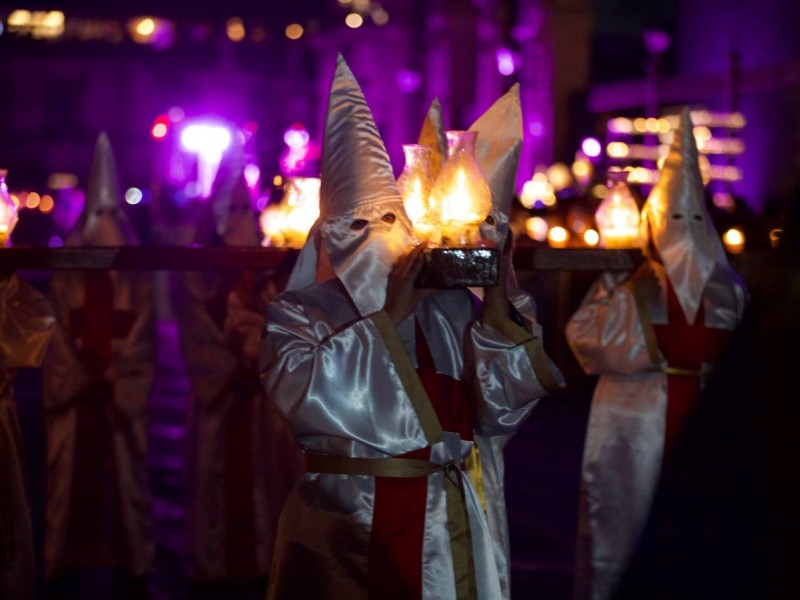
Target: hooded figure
point(652, 337)
point(497, 150)
point(386, 394)
point(97, 379)
point(26, 326)
point(242, 458)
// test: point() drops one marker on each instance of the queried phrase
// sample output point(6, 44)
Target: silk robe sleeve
point(606, 333)
point(336, 385)
point(512, 371)
point(26, 324)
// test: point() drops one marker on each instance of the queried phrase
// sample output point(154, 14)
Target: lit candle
point(461, 213)
point(461, 198)
point(618, 215)
point(733, 240)
point(558, 237)
point(591, 237)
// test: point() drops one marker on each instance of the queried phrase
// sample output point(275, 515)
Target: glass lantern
point(461, 198)
point(415, 184)
point(460, 201)
point(618, 214)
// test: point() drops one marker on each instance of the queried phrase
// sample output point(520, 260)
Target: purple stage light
point(208, 139)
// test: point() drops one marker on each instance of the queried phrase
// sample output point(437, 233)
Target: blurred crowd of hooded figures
point(688, 483)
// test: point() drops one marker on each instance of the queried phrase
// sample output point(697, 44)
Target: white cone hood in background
point(102, 222)
point(497, 150)
point(679, 224)
point(235, 221)
point(357, 185)
point(433, 135)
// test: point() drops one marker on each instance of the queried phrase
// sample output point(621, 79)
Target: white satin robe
point(625, 434)
point(332, 374)
point(26, 326)
point(130, 374)
point(219, 357)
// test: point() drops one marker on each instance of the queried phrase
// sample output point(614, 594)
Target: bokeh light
point(235, 30)
point(296, 136)
point(536, 228)
point(591, 147)
point(205, 138)
point(379, 16)
point(733, 239)
point(160, 128)
point(354, 20)
point(558, 237)
point(559, 176)
point(145, 27)
point(506, 65)
point(32, 200)
point(294, 31)
point(591, 237)
point(47, 204)
point(133, 195)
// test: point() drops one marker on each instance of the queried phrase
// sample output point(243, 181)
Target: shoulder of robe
point(325, 297)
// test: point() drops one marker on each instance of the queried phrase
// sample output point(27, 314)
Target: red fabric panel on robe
point(94, 535)
point(398, 520)
point(685, 346)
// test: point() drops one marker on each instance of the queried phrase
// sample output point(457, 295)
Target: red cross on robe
point(685, 346)
point(398, 521)
point(94, 534)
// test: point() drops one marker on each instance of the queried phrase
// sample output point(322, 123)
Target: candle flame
point(415, 203)
point(460, 205)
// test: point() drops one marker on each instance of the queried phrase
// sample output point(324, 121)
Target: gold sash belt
point(457, 516)
point(702, 373)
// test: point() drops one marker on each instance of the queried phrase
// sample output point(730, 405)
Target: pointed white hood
point(679, 224)
point(103, 221)
point(433, 136)
point(497, 150)
point(362, 227)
